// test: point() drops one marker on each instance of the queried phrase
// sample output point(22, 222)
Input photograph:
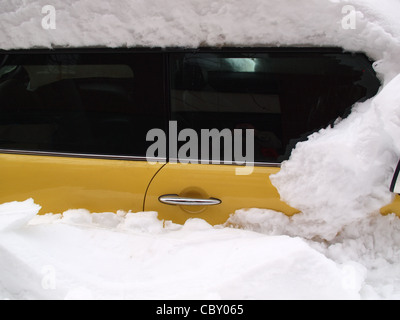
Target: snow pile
point(343, 174)
point(14, 216)
point(369, 248)
point(129, 256)
point(82, 255)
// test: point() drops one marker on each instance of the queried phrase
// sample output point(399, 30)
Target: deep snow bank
point(132, 256)
point(369, 247)
point(343, 174)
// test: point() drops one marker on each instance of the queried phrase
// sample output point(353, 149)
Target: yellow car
point(186, 133)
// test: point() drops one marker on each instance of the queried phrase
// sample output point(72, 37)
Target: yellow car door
point(279, 96)
point(211, 192)
point(73, 127)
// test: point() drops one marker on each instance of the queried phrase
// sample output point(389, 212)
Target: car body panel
point(213, 181)
point(62, 183)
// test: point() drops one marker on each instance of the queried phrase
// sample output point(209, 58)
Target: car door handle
point(175, 200)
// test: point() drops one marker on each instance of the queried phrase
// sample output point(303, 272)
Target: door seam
point(148, 186)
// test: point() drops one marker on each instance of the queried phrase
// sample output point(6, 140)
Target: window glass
point(81, 103)
point(283, 96)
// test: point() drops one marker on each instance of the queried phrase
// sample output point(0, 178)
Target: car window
point(84, 103)
point(283, 96)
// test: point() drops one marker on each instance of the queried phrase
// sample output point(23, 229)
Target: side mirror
point(395, 186)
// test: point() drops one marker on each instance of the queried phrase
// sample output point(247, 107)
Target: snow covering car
point(74, 124)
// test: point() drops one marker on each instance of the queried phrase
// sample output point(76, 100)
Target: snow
point(338, 247)
point(125, 255)
point(193, 23)
point(132, 256)
point(345, 170)
point(13, 216)
point(368, 249)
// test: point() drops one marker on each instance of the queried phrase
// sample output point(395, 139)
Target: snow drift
point(132, 256)
point(342, 174)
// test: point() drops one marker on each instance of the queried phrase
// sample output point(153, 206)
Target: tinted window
point(81, 103)
point(283, 96)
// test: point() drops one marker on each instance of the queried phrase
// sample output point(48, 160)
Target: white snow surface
point(338, 247)
point(79, 255)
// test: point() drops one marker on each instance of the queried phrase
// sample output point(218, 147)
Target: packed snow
point(133, 256)
point(338, 247)
point(346, 170)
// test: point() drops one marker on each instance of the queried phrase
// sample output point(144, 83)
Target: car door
point(278, 96)
point(219, 184)
point(73, 127)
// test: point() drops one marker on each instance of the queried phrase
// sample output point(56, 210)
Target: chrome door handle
point(175, 200)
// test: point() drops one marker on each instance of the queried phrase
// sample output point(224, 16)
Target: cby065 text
point(221, 309)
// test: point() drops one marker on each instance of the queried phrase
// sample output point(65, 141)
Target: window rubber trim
point(79, 155)
point(128, 158)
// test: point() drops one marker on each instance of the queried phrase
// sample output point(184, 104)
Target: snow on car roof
point(355, 25)
point(194, 23)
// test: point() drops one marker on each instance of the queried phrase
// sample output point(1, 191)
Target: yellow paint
point(213, 181)
point(59, 184)
point(394, 207)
